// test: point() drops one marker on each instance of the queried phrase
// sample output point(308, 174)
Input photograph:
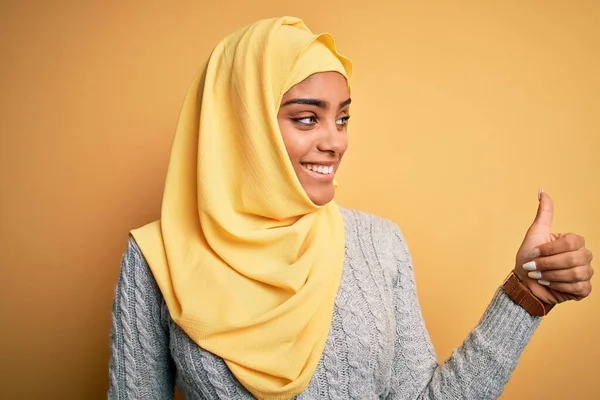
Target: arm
point(478, 369)
point(140, 363)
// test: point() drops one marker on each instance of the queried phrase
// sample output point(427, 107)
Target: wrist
point(521, 295)
point(521, 274)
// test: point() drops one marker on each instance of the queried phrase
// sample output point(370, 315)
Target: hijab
point(248, 265)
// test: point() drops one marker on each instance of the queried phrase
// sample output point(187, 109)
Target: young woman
point(254, 283)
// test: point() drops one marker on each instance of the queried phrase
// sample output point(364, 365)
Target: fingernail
point(544, 283)
point(540, 191)
point(533, 253)
point(529, 266)
point(534, 274)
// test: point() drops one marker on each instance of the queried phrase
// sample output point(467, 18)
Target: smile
point(319, 169)
point(323, 173)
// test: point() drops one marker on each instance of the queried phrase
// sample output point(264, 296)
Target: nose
point(333, 140)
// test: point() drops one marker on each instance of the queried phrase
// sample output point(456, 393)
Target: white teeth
point(321, 169)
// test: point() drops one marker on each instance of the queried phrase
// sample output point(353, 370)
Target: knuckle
point(579, 275)
point(580, 288)
point(583, 257)
point(572, 241)
point(586, 292)
point(572, 259)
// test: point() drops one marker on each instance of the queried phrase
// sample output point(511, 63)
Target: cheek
point(296, 144)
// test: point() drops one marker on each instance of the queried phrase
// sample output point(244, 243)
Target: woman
point(254, 283)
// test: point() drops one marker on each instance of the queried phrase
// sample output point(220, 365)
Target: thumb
point(545, 212)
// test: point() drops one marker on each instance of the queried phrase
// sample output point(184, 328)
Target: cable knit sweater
point(378, 346)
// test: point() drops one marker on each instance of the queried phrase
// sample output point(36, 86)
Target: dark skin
point(555, 267)
point(313, 119)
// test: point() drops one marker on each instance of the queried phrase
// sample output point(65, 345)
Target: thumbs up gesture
point(555, 267)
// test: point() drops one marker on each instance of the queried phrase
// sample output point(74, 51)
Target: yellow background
point(461, 110)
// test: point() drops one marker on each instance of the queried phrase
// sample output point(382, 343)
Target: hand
point(555, 267)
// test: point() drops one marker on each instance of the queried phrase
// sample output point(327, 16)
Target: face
point(313, 118)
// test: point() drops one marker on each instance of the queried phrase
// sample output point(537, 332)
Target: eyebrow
point(315, 102)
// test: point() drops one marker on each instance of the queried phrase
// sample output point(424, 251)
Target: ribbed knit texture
point(378, 346)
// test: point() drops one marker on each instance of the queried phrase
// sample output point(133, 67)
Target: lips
point(319, 168)
point(320, 172)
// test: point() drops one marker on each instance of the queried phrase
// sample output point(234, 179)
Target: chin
point(322, 196)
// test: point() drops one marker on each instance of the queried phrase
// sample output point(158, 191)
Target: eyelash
point(313, 120)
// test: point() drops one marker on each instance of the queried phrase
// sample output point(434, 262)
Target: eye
point(343, 121)
point(308, 120)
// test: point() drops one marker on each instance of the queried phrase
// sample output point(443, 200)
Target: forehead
point(322, 85)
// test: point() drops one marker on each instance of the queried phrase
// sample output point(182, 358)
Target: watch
point(522, 296)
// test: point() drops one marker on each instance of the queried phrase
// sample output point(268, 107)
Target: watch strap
point(521, 295)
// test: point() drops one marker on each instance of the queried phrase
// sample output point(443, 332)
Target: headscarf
point(248, 265)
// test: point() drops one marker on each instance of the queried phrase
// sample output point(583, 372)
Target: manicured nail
point(540, 191)
point(544, 283)
point(529, 266)
point(534, 274)
point(533, 253)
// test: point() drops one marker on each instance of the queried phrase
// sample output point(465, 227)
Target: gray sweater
point(377, 347)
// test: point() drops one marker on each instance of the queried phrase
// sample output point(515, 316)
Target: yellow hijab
point(248, 265)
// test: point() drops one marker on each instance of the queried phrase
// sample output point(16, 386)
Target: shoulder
point(380, 234)
point(368, 224)
point(376, 241)
point(133, 257)
point(134, 268)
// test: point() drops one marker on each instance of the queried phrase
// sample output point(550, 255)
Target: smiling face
point(312, 119)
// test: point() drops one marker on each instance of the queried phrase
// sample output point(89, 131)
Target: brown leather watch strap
point(519, 293)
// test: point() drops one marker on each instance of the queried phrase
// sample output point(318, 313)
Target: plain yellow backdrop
point(461, 110)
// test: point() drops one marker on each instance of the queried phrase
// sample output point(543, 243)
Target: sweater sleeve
point(478, 369)
point(140, 363)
